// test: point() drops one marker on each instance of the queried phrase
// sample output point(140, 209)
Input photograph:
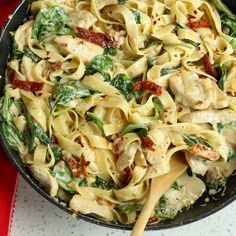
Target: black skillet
point(198, 211)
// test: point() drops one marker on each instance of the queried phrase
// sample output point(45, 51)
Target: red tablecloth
point(8, 179)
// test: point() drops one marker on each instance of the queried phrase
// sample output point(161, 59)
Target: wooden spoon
point(159, 185)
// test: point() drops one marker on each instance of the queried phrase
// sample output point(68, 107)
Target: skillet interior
point(196, 212)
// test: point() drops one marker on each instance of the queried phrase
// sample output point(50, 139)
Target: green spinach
point(102, 183)
point(13, 136)
point(31, 55)
point(124, 84)
point(166, 71)
point(65, 93)
point(189, 41)
point(191, 140)
point(222, 73)
point(63, 175)
point(57, 152)
point(110, 51)
point(50, 22)
point(140, 129)
point(100, 64)
point(137, 17)
point(231, 125)
point(96, 120)
point(158, 107)
point(129, 208)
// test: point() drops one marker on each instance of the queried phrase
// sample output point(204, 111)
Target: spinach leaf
point(31, 55)
point(221, 7)
point(137, 17)
point(83, 183)
point(222, 72)
point(231, 153)
point(191, 140)
point(96, 120)
point(233, 43)
point(49, 22)
point(66, 93)
point(140, 129)
point(30, 135)
point(40, 134)
point(129, 208)
point(166, 71)
point(35, 130)
point(150, 62)
point(16, 53)
point(228, 24)
point(56, 150)
point(110, 51)
point(124, 84)
point(231, 125)
point(101, 64)
point(13, 136)
point(122, 1)
point(152, 42)
point(63, 175)
point(158, 106)
point(102, 183)
point(6, 114)
point(189, 41)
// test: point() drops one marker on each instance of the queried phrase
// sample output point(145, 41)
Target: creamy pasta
point(101, 94)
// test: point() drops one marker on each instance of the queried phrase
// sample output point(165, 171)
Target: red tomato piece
point(148, 85)
point(209, 68)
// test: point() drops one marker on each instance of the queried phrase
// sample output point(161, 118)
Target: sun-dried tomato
point(209, 68)
point(31, 86)
point(203, 23)
point(153, 219)
point(117, 145)
point(125, 179)
point(148, 85)
point(84, 167)
point(148, 143)
point(94, 37)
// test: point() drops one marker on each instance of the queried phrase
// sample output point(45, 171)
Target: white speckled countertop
point(34, 216)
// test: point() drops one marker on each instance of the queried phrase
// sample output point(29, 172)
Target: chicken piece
point(209, 116)
point(117, 38)
point(197, 165)
point(87, 206)
point(86, 50)
point(83, 19)
point(214, 174)
point(204, 152)
point(42, 175)
point(197, 93)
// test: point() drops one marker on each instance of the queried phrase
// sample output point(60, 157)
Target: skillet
point(198, 211)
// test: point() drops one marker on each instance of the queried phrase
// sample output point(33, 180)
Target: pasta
point(101, 94)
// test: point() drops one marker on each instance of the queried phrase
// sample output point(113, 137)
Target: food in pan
point(100, 94)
